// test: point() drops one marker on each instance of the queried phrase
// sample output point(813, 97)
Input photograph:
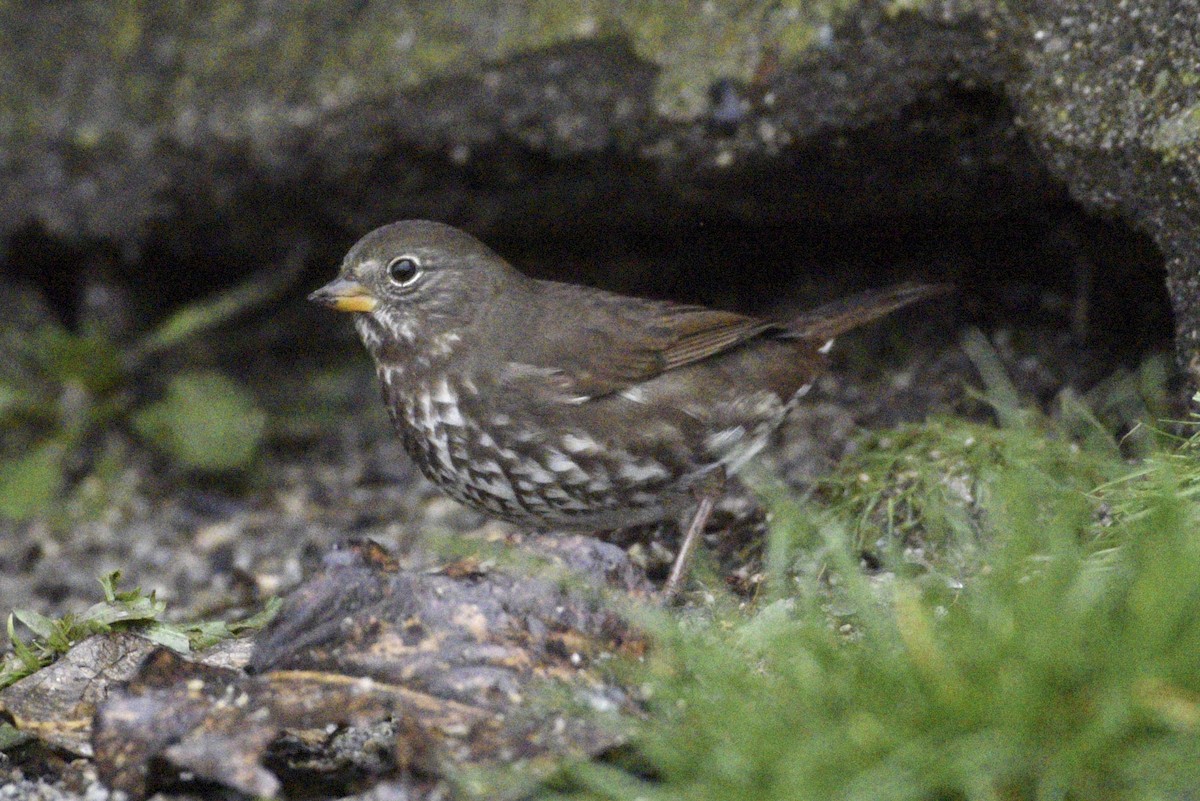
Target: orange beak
point(343, 294)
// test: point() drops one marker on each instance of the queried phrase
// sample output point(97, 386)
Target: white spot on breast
point(367, 332)
point(496, 486)
point(579, 443)
point(726, 439)
point(490, 466)
point(575, 478)
point(451, 415)
point(635, 394)
point(568, 471)
point(828, 346)
point(563, 500)
point(399, 323)
point(559, 463)
point(443, 393)
point(641, 473)
point(430, 422)
point(533, 471)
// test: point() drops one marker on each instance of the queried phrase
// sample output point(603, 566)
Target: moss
point(318, 54)
point(1178, 134)
point(926, 485)
point(696, 43)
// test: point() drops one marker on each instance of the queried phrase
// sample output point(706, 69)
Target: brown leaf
point(218, 723)
point(472, 669)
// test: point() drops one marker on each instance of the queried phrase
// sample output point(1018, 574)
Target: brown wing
point(697, 333)
point(595, 343)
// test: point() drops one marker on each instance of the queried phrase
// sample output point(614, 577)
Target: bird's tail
point(840, 316)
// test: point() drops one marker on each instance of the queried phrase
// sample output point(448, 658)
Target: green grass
point(1059, 658)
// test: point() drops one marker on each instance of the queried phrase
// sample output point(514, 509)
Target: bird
point(570, 408)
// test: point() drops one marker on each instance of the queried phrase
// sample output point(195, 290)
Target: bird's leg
point(707, 492)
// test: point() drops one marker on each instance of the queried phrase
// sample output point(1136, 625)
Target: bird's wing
point(600, 343)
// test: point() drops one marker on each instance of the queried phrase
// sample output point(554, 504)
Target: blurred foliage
point(206, 421)
point(121, 610)
point(60, 390)
point(29, 483)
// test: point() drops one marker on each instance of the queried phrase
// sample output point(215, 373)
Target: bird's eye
point(404, 270)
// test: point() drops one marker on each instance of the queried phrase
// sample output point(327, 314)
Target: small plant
point(121, 610)
point(61, 389)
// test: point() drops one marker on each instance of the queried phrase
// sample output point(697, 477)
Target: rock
point(204, 136)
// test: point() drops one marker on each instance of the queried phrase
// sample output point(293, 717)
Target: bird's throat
point(397, 346)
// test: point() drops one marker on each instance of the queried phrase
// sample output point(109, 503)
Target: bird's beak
point(343, 294)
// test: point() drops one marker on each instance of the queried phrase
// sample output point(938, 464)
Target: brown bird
point(559, 406)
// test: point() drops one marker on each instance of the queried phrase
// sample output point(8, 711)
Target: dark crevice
point(947, 192)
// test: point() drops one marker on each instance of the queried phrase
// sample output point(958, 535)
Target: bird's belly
point(610, 466)
point(530, 470)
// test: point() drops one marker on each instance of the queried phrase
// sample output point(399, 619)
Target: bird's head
point(415, 284)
